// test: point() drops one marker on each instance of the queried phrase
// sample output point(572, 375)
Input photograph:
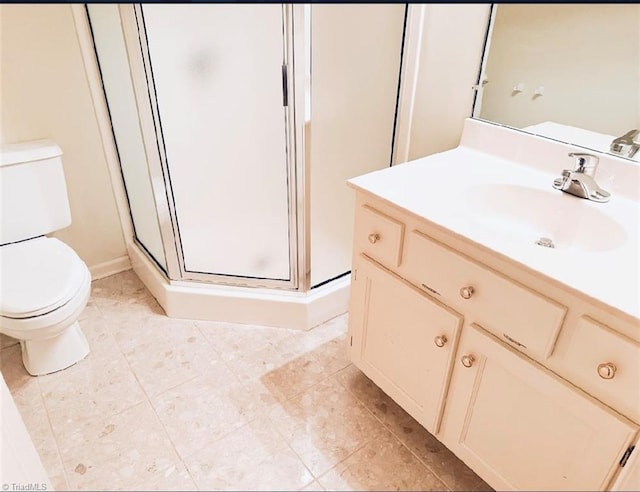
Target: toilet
point(44, 285)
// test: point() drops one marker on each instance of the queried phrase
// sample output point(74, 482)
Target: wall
point(44, 94)
point(20, 463)
point(355, 63)
point(442, 56)
point(585, 57)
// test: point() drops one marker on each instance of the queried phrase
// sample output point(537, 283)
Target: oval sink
point(519, 212)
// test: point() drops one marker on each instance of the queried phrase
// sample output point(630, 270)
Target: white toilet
point(44, 285)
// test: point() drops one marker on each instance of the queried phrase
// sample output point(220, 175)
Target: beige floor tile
point(313, 486)
point(122, 452)
point(15, 375)
point(231, 340)
point(305, 370)
point(94, 388)
point(25, 391)
point(34, 415)
point(129, 311)
point(202, 410)
point(125, 285)
point(123, 297)
point(173, 478)
point(91, 310)
point(254, 457)
point(306, 341)
point(7, 341)
point(382, 464)
point(252, 366)
point(324, 425)
point(169, 355)
point(133, 328)
point(101, 342)
point(442, 462)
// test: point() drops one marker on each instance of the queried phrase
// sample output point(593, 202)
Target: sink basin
point(527, 214)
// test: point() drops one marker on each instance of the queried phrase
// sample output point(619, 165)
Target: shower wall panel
point(355, 65)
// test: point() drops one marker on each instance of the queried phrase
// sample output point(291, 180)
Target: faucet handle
point(585, 163)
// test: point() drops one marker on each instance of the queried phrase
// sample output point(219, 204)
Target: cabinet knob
point(440, 340)
point(374, 237)
point(607, 370)
point(467, 360)
point(466, 292)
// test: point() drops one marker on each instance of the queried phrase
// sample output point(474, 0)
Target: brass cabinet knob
point(466, 292)
point(374, 237)
point(440, 341)
point(467, 360)
point(607, 370)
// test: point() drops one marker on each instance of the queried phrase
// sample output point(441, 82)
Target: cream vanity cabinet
point(525, 428)
point(467, 351)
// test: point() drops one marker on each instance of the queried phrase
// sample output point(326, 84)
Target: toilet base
point(54, 354)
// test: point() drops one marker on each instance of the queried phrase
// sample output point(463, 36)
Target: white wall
point(19, 459)
point(585, 56)
point(443, 53)
point(355, 62)
point(44, 94)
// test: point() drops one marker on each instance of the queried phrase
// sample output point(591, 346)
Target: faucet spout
point(626, 144)
point(580, 181)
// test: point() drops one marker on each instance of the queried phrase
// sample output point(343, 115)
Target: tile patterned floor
point(166, 404)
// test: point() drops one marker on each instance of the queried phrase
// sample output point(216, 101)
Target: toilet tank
point(33, 192)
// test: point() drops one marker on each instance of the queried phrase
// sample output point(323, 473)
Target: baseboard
point(267, 307)
point(110, 267)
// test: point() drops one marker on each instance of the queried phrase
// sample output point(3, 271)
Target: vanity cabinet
point(524, 427)
point(629, 478)
point(503, 368)
point(403, 340)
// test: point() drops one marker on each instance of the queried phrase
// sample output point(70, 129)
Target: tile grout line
point(53, 434)
point(148, 400)
point(153, 409)
point(400, 440)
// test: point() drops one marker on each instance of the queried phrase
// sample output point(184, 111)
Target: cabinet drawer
point(379, 236)
point(517, 315)
point(604, 364)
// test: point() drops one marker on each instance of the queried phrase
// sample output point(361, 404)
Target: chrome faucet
point(626, 145)
point(580, 181)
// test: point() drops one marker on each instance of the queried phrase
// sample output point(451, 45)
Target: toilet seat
point(44, 274)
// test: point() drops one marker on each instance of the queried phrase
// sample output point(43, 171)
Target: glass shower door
point(217, 70)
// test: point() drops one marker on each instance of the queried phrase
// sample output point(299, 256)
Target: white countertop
point(504, 205)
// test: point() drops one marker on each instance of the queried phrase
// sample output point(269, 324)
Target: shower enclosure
point(236, 128)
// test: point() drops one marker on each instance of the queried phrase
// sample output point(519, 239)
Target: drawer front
point(519, 316)
point(379, 236)
point(604, 364)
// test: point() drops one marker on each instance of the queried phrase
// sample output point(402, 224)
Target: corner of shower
point(211, 126)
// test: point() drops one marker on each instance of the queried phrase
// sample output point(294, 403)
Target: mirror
point(570, 72)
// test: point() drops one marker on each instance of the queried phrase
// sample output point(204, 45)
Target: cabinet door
point(629, 478)
point(403, 340)
point(520, 427)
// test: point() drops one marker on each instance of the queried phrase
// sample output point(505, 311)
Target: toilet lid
point(38, 276)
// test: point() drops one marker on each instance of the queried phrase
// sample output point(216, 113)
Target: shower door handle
point(285, 86)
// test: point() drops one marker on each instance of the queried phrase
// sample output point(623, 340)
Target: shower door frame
point(294, 54)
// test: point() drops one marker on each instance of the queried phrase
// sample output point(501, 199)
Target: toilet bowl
point(44, 285)
point(50, 287)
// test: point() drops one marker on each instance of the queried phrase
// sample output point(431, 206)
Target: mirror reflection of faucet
point(580, 181)
point(626, 145)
